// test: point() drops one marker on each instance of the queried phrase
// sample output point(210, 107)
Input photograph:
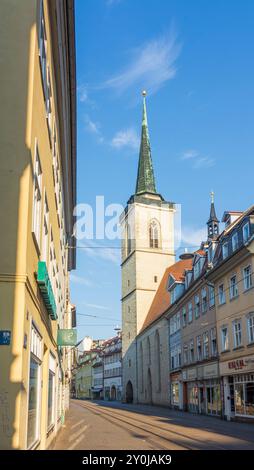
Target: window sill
point(34, 446)
point(36, 243)
point(250, 345)
point(245, 291)
point(237, 348)
point(234, 298)
point(222, 304)
point(50, 429)
point(225, 351)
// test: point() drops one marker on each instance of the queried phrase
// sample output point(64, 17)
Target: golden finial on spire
point(212, 196)
point(144, 93)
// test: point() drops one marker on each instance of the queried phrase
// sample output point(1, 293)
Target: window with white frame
point(247, 277)
point(246, 232)
point(197, 268)
point(225, 250)
point(48, 102)
point(51, 390)
point(45, 236)
point(235, 241)
point(191, 351)
point(211, 296)
point(213, 342)
point(221, 294)
point(185, 354)
point(34, 388)
point(224, 338)
point(190, 312)
point(179, 355)
point(204, 299)
point(184, 316)
point(237, 331)
point(233, 289)
point(178, 321)
point(199, 348)
point(206, 345)
point(37, 197)
point(43, 48)
point(250, 328)
point(197, 306)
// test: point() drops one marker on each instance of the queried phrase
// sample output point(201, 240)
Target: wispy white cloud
point(151, 65)
point(96, 306)
point(80, 280)
point(192, 237)
point(82, 93)
point(98, 251)
point(93, 128)
point(204, 162)
point(197, 160)
point(126, 138)
point(189, 154)
point(110, 3)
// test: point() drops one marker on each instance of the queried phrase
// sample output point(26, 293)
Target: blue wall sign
point(5, 337)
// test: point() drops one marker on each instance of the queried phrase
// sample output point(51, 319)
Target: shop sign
point(236, 365)
point(67, 337)
point(211, 371)
point(191, 374)
point(46, 289)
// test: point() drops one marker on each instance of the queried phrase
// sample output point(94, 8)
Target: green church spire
point(145, 179)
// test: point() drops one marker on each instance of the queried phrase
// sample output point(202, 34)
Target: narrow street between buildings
point(112, 426)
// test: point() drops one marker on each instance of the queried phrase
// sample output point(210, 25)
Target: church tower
point(147, 250)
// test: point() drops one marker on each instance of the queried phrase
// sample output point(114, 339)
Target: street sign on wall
point(5, 337)
point(67, 337)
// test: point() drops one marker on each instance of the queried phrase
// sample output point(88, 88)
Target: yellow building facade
point(38, 194)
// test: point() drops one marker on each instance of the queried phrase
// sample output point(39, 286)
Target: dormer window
point(246, 232)
point(225, 250)
point(235, 241)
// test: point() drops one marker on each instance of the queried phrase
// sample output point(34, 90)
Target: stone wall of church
point(153, 364)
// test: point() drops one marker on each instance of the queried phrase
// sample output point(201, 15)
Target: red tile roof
point(161, 301)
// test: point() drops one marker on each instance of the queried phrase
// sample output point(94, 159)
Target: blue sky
point(195, 59)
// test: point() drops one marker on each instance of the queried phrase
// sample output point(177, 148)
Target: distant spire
point(213, 217)
point(213, 222)
point(145, 179)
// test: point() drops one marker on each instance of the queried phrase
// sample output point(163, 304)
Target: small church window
point(155, 279)
point(154, 235)
point(128, 241)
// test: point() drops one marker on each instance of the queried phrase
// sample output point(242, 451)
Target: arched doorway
point(129, 392)
point(113, 393)
point(149, 387)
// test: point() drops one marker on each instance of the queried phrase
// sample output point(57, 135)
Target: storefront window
point(33, 403)
point(50, 398)
point(193, 398)
point(33, 421)
point(249, 399)
point(244, 395)
point(175, 393)
point(239, 399)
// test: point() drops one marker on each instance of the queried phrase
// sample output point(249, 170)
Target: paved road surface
point(111, 426)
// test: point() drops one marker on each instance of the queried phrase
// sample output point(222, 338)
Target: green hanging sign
point(67, 337)
point(46, 289)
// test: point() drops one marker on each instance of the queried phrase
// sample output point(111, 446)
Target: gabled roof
point(161, 301)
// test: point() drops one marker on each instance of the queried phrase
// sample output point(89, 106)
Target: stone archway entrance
point(113, 393)
point(149, 387)
point(129, 392)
